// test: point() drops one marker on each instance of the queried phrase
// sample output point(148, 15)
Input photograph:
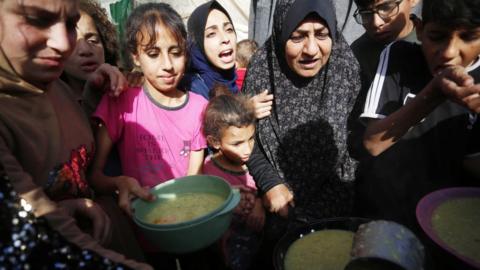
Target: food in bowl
point(322, 250)
point(193, 235)
point(184, 207)
point(456, 222)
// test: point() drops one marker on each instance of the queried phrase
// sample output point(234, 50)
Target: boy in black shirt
point(384, 21)
point(421, 116)
point(421, 112)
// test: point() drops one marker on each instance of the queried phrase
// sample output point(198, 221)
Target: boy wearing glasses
point(422, 112)
point(384, 21)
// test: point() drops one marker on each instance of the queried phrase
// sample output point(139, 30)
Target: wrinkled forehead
point(290, 13)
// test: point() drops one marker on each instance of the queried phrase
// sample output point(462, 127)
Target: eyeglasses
point(384, 11)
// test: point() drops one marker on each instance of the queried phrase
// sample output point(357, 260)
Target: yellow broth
point(184, 207)
point(321, 250)
point(457, 224)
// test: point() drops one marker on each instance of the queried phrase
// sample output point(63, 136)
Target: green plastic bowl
point(191, 235)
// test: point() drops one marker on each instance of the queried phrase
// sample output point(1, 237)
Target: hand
point(277, 199)
point(256, 219)
point(128, 188)
point(89, 209)
point(134, 78)
point(109, 78)
point(457, 85)
point(247, 201)
point(263, 104)
point(472, 102)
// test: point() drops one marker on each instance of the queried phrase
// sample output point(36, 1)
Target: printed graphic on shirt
point(67, 180)
point(186, 149)
point(160, 157)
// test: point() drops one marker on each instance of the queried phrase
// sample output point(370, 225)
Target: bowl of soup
point(324, 244)
point(189, 213)
point(349, 243)
point(451, 218)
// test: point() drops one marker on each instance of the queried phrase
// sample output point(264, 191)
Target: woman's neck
point(227, 164)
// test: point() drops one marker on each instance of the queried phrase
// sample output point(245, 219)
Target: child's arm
point(106, 78)
point(382, 134)
point(256, 219)
point(263, 104)
point(195, 163)
point(104, 145)
point(109, 78)
point(126, 186)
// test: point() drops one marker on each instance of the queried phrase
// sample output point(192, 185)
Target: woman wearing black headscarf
point(300, 154)
point(212, 48)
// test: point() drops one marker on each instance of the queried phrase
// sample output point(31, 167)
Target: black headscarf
point(198, 20)
point(199, 62)
point(305, 138)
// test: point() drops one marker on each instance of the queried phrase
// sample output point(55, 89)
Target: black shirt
point(430, 155)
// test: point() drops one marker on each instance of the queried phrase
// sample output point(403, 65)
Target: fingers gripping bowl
point(185, 229)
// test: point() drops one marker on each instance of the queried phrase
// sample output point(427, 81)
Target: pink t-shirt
point(234, 178)
point(154, 141)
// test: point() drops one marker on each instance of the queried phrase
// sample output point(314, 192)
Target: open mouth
point(226, 55)
point(308, 63)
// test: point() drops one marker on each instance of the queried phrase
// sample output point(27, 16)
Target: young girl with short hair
point(229, 126)
point(157, 127)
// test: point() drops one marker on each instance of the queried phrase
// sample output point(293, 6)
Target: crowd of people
point(306, 125)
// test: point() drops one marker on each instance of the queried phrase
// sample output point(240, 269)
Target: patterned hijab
point(198, 60)
point(305, 138)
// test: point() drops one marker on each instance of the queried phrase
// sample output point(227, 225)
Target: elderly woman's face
point(309, 47)
point(37, 36)
point(89, 53)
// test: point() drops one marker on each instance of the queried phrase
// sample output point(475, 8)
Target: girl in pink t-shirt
point(158, 127)
point(229, 126)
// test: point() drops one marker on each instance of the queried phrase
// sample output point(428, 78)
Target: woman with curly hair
point(96, 45)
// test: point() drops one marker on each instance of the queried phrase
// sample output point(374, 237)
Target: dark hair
point(245, 49)
point(363, 3)
point(105, 28)
point(452, 13)
point(148, 16)
point(225, 110)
